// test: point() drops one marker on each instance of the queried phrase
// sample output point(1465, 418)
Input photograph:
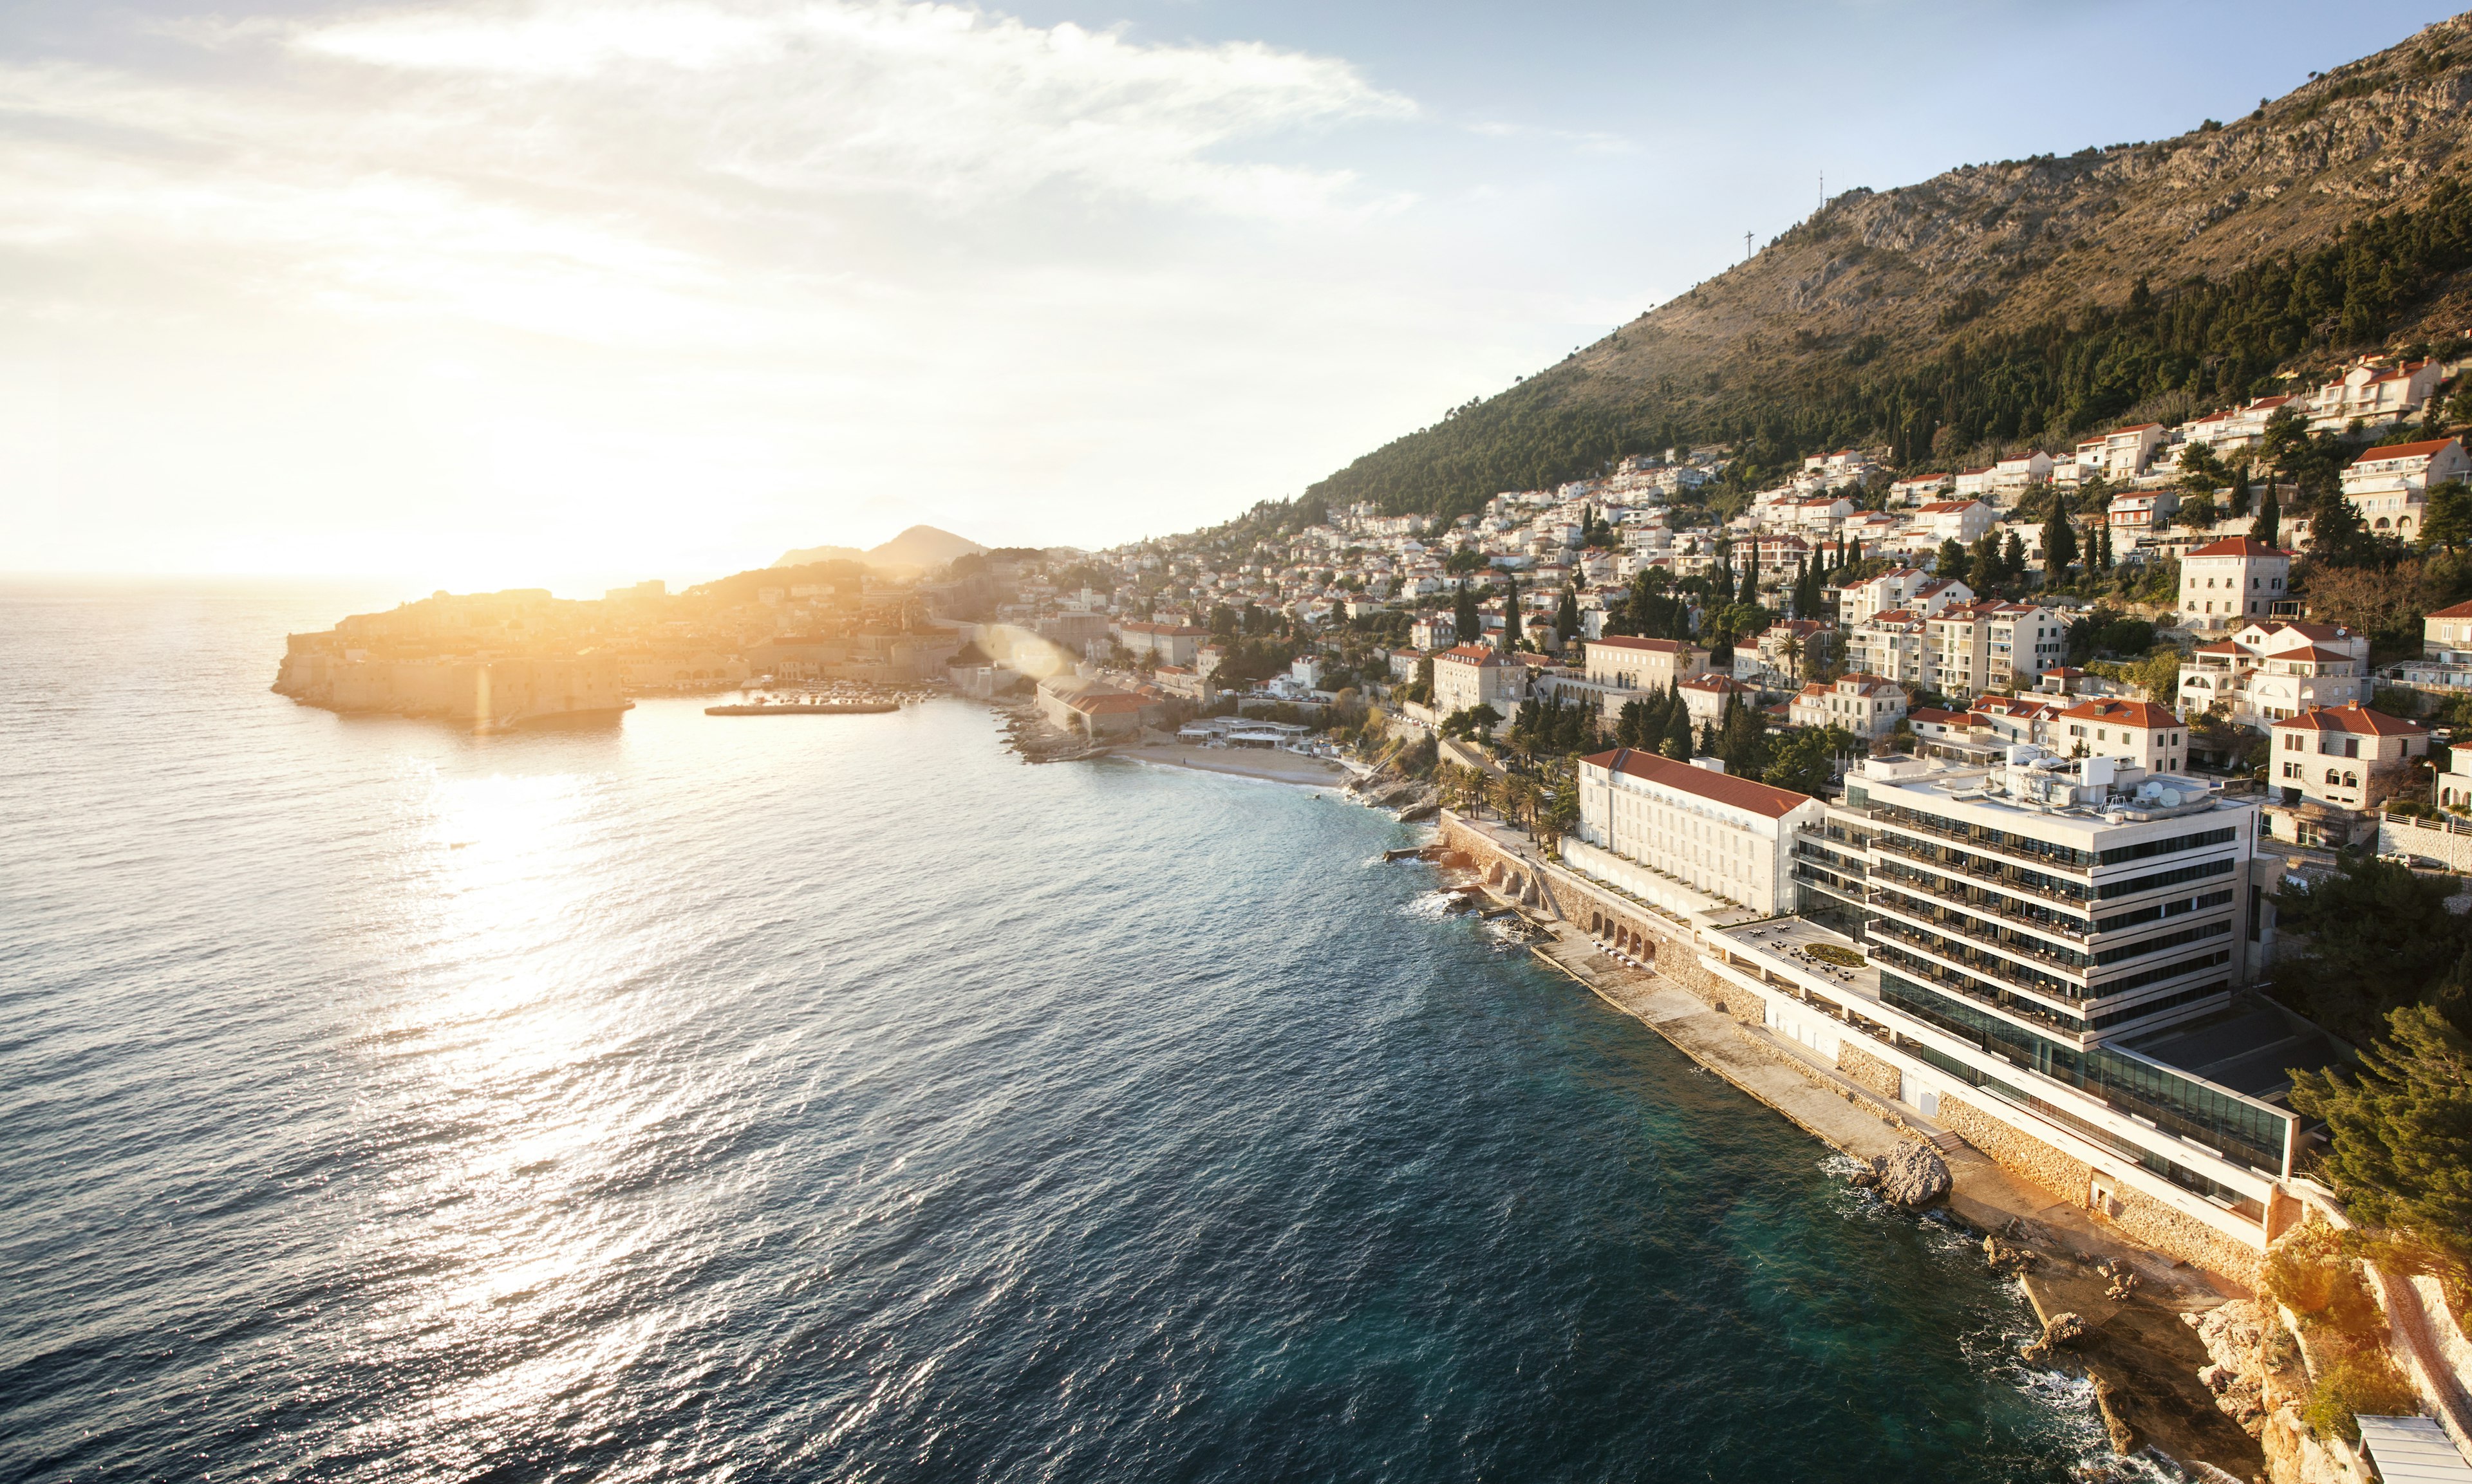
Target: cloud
point(931, 99)
point(488, 266)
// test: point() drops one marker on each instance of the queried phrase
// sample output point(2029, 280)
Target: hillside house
point(2389, 484)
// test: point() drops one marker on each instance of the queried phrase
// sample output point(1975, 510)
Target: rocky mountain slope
point(920, 548)
point(1844, 329)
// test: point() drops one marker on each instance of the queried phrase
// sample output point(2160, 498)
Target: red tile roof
point(2351, 717)
point(1472, 654)
point(1744, 793)
point(2145, 715)
point(2420, 450)
point(2237, 546)
point(1934, 714)
point(1657, 645)
point(1945, 507)
point(2461, 610)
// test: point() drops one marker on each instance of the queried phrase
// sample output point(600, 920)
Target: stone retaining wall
point(2015, 1151)
point(1868, 1070)
point(2140, 1218)
point(2176, 1233)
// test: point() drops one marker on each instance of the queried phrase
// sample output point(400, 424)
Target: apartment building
point(1961, 521)
point(1869, 706)
point(1891, 644)
point(1976, 646)
point(2138, 733)
point(2225, 583)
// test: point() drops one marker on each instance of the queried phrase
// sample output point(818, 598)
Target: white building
point(2374, 395)
point(2013, 476)
point(1470, 676)
point(1666, 824)
point(2346, 757)
point(2225, 584)
point(1869, 706)
point(2138, 733)
point(2390, 485)
point(2264, 671)
point(1956, 519)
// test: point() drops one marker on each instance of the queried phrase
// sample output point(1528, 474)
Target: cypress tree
point(2269, 517)
point(2012, 558)
point(1677, 733)
point(1566, 617)
point(1464, 616)
point(2060, 539)
point(1512, 631)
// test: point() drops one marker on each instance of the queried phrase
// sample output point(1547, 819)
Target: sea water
point(838, 1097)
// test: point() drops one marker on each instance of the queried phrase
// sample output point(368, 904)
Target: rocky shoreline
point(2125, 1319)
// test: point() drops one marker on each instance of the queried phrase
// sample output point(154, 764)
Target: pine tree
point(2401, 1129)
point(2268, 528)
point(2012, 558)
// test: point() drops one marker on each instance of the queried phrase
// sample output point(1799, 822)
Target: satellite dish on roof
point(2167, 797)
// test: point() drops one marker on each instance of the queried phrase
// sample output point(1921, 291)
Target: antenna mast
point(1746, 246)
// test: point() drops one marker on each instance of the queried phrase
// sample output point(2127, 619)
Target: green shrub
point(2355, 1383)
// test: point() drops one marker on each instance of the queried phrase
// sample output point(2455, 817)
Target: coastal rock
point(2001, 1257)
point(1911, 1177)
point(2232, 1333)
point(2061, 1329)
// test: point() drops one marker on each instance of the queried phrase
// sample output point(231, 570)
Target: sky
point(570, 293)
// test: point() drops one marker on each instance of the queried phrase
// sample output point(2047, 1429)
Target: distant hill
point(2022, 302)
point(920, 548)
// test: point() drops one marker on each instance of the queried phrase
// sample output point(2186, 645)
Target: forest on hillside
point(2217, 341)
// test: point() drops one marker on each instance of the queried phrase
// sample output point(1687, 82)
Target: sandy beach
point(1244, 762)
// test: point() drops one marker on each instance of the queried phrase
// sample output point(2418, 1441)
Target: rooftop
point(1741, 793)
point(2250, 1047)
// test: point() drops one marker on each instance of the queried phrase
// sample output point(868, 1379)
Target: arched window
point(2351, 780)
point(2334, 779)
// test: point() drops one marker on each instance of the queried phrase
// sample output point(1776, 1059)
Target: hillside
point(920, 549)
point(2022, 302)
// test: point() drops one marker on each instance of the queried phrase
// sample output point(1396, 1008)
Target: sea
point(841, 1099)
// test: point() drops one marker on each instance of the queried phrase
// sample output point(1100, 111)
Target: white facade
point(2390, 485)
point(2226, 584)
point(1728, 838)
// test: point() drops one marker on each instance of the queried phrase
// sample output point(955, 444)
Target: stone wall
point(1867, 1068)
point(2176, 1233)
point(2140, 1218)
point(2426, 839)
point(2017, 1152)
